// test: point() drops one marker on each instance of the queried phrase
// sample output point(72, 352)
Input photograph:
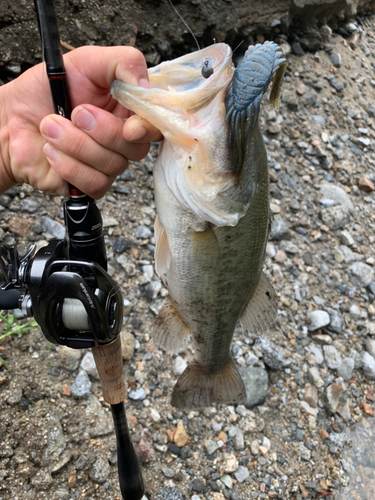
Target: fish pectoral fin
point(261, 310)
point(162, 251)
point(169, 331)
point(198, 389)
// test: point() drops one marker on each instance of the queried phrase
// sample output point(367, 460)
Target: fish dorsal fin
point(162, 250)
point(169, 331)
point(261, 310)
point(244, 94)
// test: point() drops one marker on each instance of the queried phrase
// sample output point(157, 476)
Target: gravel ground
point(305, 430)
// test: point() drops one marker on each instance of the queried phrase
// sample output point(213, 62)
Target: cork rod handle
point(108, 361)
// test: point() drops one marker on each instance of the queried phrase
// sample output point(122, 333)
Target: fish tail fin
point(169, 331)
point(198, 389)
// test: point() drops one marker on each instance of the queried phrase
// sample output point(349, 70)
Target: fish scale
point(213, 215)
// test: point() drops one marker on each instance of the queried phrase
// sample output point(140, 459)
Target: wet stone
point(100, 470)
point(81, 386)
point(256, 384)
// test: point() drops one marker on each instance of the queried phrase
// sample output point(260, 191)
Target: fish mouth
point(185, 72)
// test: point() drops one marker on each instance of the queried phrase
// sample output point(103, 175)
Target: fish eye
point(207, 69)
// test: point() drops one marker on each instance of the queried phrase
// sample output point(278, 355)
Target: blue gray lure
point(250, 81)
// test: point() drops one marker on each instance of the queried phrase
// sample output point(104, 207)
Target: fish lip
point(171, 72)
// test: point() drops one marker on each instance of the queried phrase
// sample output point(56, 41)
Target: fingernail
point(144, 83)
point(50, 152)
point(52, 129)
point(139, 133)
point(84, 120)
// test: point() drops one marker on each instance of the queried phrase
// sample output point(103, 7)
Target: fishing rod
point(65, 285)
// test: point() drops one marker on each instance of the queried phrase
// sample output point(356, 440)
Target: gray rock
point(68, 358)
point(143, 232)
point(29, 205)
point(81, 386)
point(273, 356)
point(357, 313)
point(346, 368)
point(335, 59)
point(297, 49)
point(335, 217)
point(239, 441)
point(121, 244)
point(42, 480)
point(179, 365)
point(139, 395)
point(88, 364)
point(337, 194)
point(368, 365)
point(169, 494)
point(211, 446)
point(334, 399)
point(53, 227)
point(127, 345)
point(303, 452)
point(280, 229)
point(15, 397)
point(370, 346)
point(241, 474)
point(56, 440)
point(100, 470)
point(310, 99)
point(356, 356)
point(98, 420)
point(332, 357)
point(319, 119)
point(256, 384)
point(318, 319)
point(317, 353)
point(311, 395)
point(346, 238)
point(363, 274)
point(227, 481)
point(336, 322)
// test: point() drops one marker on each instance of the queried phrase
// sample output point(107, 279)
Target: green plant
point(9, 325)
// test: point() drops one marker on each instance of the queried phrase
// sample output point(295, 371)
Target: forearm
point(6, 180)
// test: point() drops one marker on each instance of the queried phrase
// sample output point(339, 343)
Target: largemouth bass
point(213, 216)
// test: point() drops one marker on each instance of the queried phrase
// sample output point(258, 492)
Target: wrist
point(6, 177)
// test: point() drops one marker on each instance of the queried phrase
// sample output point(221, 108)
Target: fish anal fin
point(261, 310)
point(197, 388)
point(169, 331)
point(162, 251)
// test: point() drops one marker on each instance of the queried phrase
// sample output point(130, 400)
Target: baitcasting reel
point(65, 285)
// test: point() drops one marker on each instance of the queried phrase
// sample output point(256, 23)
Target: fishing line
point(185, 23)
point(207, 69)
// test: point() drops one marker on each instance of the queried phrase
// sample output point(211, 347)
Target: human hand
point(47, 150)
